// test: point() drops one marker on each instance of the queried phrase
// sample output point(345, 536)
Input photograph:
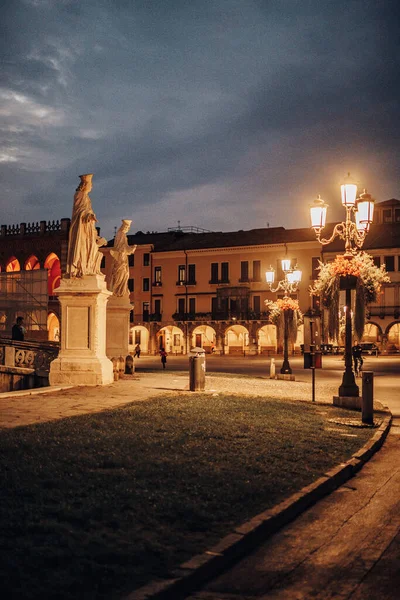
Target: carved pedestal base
point(82, 359)
point(117, 340)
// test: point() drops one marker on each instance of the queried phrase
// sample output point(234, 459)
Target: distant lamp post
point(289, 285)
point(353, 232)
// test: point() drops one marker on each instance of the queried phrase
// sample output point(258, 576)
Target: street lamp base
point(349, 389)
point(286, 376)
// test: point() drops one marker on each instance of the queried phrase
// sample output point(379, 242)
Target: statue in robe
point(120, 252)
point(84, 257)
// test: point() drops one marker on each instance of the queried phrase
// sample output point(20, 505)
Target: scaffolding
point(24, 293)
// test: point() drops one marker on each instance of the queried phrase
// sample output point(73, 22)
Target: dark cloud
point(221, 113)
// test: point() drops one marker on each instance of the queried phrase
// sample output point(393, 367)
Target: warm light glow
point(365, 209)
point(294, 276)
point(349, 191)
point(318, 214)
point(361, 226)
point(285, 265)
point(270, 275)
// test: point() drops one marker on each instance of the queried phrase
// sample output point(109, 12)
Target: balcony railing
point(384, 311)
point(221, 316)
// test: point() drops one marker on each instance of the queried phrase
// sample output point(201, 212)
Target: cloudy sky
point(222, 114)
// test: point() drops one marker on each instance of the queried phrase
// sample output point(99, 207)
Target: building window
point(397, 215)
point(257, 304)
point(389, 263)
point(131, 316)
point(146, 310)
point(157, 276)
point(191, 274)
point(181, 306)
point(387, 215)
point(224, 272)
point(157, 307)
point(181, 275)
point(244, 270)
point(138, 336)
point(256, 270)
point(131, 260)
point(146, 259)
point(314, 267)
point(192, 306)
point(214, 305)
point(131, 285)
point(146, 284)
point(377, 261)
point(214, 273)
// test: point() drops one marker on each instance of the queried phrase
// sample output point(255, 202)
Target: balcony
point(155, 317)
point(384, 311)
point(221, 316)
point(157, 284)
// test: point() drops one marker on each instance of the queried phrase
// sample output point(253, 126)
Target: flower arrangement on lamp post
point(359, 273)
point(285, 312)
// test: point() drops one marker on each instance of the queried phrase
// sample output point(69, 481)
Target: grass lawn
point(97, 505)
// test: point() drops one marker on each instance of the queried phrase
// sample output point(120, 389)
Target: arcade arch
point(53, 327)
point(393, 335)
point(32, 263)
point(204, 337)
point(52, 264)
point(372, 333)
point(13, 265)
point(172, 339)
point(267, 340)
point(236, 339)
point(139, 335)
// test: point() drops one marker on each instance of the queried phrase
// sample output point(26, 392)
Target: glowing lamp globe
point(270, 275)
point(318, 214)
point(349, 191)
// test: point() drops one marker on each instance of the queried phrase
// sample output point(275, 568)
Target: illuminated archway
point(52, 264)
point(372, 333)
point(267, 342)
point(172, 339)
point(203, 336)
point(236, 339)
point(13, 265)
point(393, 334)
point(139, 335)
point(32, 263)
point(53, 327)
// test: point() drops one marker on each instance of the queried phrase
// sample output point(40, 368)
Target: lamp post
point(359, 216)
point(288, 285)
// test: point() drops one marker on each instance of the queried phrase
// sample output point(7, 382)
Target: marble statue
point(84, 257)
point(120, 270)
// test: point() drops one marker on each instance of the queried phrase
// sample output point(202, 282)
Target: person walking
point(163, 355)
point(357, 358)
point(137, 351)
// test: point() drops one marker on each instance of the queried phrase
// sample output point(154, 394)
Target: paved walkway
point(47, 404)
point(347, 546)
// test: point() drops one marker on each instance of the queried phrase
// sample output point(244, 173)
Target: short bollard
point(367, 403)
point(272, 369)
point(197, 370)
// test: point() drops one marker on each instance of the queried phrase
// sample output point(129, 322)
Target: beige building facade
point(208, 289)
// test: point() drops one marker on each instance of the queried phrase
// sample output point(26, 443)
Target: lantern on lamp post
point(289, 285)
point(353, 232)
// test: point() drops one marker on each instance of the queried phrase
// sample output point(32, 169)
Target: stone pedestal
point(117, 340)
point(82, 359)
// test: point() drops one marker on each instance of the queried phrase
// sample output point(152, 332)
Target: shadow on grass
point(96, 505)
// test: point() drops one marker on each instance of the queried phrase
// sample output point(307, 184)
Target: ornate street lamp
point(289, 285)
point(353, 232)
